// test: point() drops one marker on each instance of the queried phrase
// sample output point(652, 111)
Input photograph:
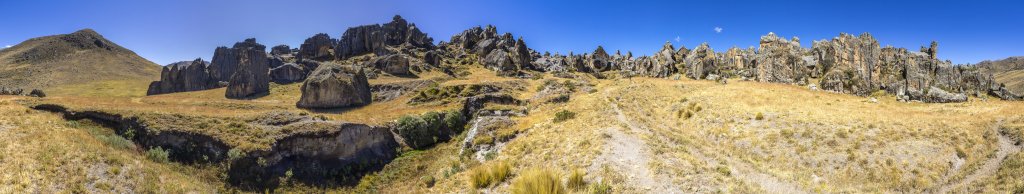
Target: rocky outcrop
point(281, 50)
point(375, 38)
point(501, 53)
point(600, 60)
point(394, 64)
point(226, 60)
point(320, 47)
point(780, 60)
point(701, 62)
point(850, 63)
point(183, 77)
point(287, 73)
point(323, 153)
point(252, 79)
point(21, 92)
point(737, 62)
point(334, 86)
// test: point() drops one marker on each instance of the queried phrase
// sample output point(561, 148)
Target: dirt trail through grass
point(737, 168)
point(629, 155)
point(987, 169)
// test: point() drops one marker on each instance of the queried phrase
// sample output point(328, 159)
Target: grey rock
point(335, 86)
point(319, 48)
point(287, 73)
point(183, 77)
point(252, 78)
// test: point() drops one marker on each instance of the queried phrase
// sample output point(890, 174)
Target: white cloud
point(677, 39)
point(8, 46)
point(718, 29)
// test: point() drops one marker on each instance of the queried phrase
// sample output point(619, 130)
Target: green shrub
point(485, 176)
point(564, 115)
point(600, 188)
point(158, 154)
point(434, 120)
point(569, 85)
point(454, 120)
point(759, 116)
point(414, 130)
point(117, 141)
point(537, 181)
point(235, 154)
point(575, 181)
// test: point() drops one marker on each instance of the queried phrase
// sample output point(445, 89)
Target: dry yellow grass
point(40, 153)
point(805, 140)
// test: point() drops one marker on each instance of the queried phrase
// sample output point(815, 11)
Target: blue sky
point(166, 31)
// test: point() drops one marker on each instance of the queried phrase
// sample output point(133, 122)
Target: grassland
point(639, 135)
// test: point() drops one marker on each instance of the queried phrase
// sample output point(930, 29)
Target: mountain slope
point(1009, 71)
point(80, 57)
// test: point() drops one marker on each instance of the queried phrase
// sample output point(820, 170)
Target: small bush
point(600, 188)
point(158, 154)
point(575, 181)
point(485, 176)
point(759, 116)
point(235, 154)
point(434, 120)
point(415, 131)
point(455, 121)
point(564, 115)
point(537, 181)
point(117, 141)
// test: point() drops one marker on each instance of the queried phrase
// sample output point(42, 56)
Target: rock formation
point(334, 86)
point(701, 62)
point(280, 50)
point(252, 77)
point(394, 64)
point(501, 53)
point(183, 77)
point(374, 38)
point(780, 60)
point(22, 92)
point(287, 73)
point(318, 47)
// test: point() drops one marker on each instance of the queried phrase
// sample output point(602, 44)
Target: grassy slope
point(1014, 80)
point(70, 59)
point(40, 152)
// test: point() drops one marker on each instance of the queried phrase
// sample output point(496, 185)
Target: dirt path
point(737, 168)
point(1005, 148)
point(626, 153)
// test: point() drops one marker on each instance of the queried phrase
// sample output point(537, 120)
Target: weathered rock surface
point(375, 38)
point(281, 50)
point(183, 76)
point(334, 86)
point(287, 73)
point(322, 153)
point(320, 47)
point(701, 62)
point(394, 64)
point(780, 60)
point(252, 78)
point(501, 53)
point(226, 60)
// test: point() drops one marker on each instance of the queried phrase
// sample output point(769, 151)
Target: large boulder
point(183, 76)
point(500, 61)
point(335, 86)
point(252, 78)
point(375, 38)
point(319, 47)
point(394, 64)
point(600, 60)
point(287, 73)
point(856, 58)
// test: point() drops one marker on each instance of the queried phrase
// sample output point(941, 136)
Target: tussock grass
point(575, 181)
point(537, 181)
point(489, 175)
